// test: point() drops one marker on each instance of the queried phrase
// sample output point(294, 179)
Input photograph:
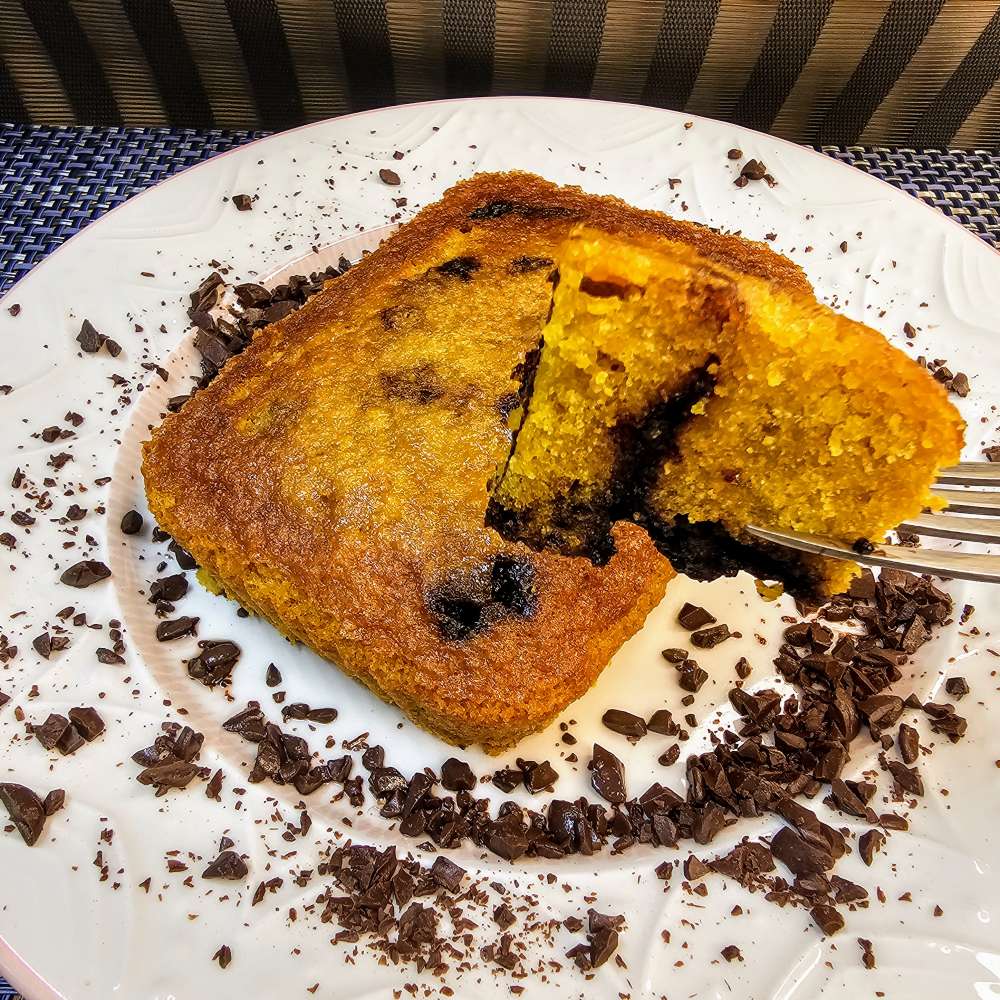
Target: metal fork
point(979, 521)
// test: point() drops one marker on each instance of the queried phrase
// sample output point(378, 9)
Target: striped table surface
point(54, 181)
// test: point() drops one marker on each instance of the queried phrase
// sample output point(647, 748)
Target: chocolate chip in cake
point(625, 723)
point(26, 810)
point(460, 267)
point(693, 617)
point(512, 584)
point(85, 573)
point(176, 628)
point(420, 384)
point(607, 775)
point(524, 265)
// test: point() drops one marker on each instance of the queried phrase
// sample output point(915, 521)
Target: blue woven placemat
point(53, 181)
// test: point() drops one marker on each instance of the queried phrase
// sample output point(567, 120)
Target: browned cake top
point(335, 474)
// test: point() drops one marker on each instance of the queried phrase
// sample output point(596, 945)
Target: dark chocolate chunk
point(85, 573)
point(625, 723)
point(273, 676)
point(507, 778)
point(109, 656)
point(214, 664)
point(908, 778)
point(706, 638)
point(54, 801)
point(693, 617)
point(662, 722)
point(731, 953)
point(176, 628)
point(223, 956)
point(321, 716)
point(603, 944)
point(503, 916)
point(827, 918)
point(909, 743)
point(70, 741)
point(869, 844)
point(538, 777)
point(51, 730)
point(131, 523)
point(26, 810)
point(388, 176)
point(87, 722)
point(957, 687)
point(168, 588)
point(228, 865)
point(447, 874)
point(457, 776)
point(184, 558)
point(674, 655)
point(692, 677)
point(89, 339)
point(800, 856)
point(607, 775)
point(242, 202)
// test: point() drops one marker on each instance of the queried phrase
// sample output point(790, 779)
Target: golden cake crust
point(333, 477)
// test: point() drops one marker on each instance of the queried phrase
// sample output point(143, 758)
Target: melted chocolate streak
point(703, 550)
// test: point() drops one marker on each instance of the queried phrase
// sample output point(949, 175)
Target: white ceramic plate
point(66, 933)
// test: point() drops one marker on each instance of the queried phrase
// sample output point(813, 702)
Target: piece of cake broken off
point(695, 401)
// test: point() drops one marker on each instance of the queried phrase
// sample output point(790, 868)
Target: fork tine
point(954, 565)
point(970, 501)
point(968, 529)
point(970, 474)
